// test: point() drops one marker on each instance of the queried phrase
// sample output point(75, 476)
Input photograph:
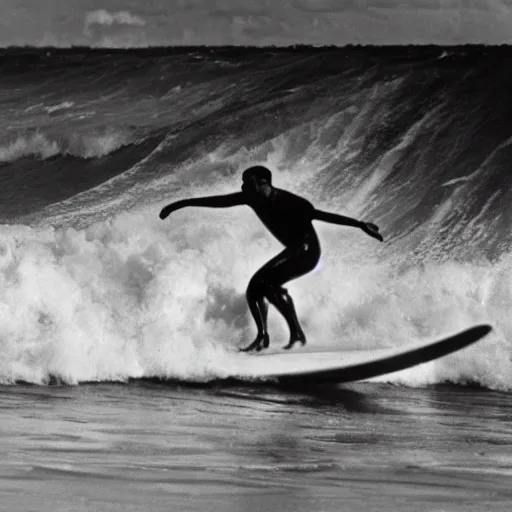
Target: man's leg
point(267, 283)
point(289, 265)
point(258, 290)
point(259, 310)
point(283, 302)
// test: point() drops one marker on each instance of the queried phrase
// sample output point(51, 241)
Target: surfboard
point(307, 365)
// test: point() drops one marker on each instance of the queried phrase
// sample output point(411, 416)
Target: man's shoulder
point(287, 196)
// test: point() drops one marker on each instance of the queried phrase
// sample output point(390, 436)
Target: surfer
point(289, 218)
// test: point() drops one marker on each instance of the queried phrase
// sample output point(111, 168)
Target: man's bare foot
point(262, 341)
point(296, 338)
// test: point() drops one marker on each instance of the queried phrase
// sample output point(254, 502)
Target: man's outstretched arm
point(342, 220)
point(223, 201)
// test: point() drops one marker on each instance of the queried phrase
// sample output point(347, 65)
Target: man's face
point(256, 186)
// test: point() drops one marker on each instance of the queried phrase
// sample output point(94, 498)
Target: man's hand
point(372, 230)
point(166, 211)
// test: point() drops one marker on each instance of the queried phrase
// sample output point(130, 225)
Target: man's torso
point(287, 216)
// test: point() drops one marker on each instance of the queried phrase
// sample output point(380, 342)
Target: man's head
point(257, 180)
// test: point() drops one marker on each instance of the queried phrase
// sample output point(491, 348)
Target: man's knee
point(262, 287)
point(278, 294)
point(285, 296)
point(256, 288)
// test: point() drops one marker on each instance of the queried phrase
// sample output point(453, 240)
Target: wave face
point(94, 143)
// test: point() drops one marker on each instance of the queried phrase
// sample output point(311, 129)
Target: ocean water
point(115, 326)
point(157, 447)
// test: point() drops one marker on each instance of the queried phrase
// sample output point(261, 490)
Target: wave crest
point(92, 144)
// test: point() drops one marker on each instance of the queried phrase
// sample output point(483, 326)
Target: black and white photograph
point(255, 255)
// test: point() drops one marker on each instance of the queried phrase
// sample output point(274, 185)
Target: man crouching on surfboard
point(289, 218)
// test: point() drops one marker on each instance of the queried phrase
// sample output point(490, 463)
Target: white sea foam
point(34, 144)
point(88, 144)
point(138, 297)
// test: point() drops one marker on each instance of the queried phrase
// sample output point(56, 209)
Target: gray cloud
point(104, 17)
point(256, 29)
point(321, 6)
point(339, 6)
point(232, 8)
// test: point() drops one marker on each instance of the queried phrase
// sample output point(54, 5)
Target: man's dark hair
point(258, 171)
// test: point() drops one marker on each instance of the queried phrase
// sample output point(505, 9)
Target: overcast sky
point(253, 22)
